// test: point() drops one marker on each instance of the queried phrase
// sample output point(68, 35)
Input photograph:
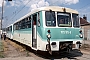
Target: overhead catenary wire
point(19, 11)
point(84, 6)
point(8, 17)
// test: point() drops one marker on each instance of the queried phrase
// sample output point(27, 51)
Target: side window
point(34, 19)
point(23, 24)
point(10, 28)
point(7, 29)
point(20, 25)
point(75, 20)
point(14, 26)
point(28, 22)
point(38, 19)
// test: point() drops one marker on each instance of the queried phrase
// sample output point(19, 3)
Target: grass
point(2, 55)
point(1, 50)
point(27, 53)
point(85, 47)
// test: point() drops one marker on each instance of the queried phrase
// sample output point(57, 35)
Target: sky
point(15, 9)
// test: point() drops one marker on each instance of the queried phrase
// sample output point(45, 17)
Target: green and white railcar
point(9, 33)
point(51, 28)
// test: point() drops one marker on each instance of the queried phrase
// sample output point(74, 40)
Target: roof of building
point(84, 22)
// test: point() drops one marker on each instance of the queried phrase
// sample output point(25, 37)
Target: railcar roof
point(48, 8)
point(9, 25)
point(57, 8)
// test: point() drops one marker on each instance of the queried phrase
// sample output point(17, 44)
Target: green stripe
point(24, 31)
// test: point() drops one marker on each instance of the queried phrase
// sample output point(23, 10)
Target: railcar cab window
point(63, 19)
point(50, 18)
point(75, 18)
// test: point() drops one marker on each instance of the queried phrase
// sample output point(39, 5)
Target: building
point(86, 28)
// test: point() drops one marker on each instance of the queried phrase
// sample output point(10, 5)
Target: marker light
point(80, 31)
point(48, 31)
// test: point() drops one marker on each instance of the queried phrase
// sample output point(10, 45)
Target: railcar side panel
point(23, 36)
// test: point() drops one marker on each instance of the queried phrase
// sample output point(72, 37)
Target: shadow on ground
point(60, 55)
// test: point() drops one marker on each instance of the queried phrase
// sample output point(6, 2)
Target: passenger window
point(26, 21)
point(29, 22)
point(23, 24)
point(16, 26)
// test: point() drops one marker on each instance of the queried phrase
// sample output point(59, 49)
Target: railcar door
point(34, 31)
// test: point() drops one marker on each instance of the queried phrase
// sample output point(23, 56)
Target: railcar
point(9, 30)
point(51, 28)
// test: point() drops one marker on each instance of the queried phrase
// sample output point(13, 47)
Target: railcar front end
point(60, 32)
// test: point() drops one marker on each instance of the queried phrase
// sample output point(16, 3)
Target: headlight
point(48, 36)
point(81, 36)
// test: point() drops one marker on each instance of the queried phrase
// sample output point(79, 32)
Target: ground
point(13, 51)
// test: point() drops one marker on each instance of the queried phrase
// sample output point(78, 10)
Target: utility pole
point(2, 13)
point(2, 17)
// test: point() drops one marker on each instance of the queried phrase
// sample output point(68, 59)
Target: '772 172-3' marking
point(66, 32)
